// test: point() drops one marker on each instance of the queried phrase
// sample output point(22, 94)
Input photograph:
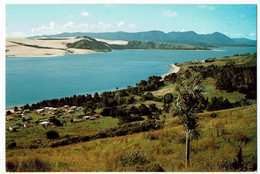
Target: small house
point(28, 125)
point(69, 110)
point(40, 110)
point(92, 118)
point(26, 111)
point(86, 117)
point(53, 109)
point(10, 118)
point(96, 115)
point(79, 108)
point(44, 123)
point(73, 107)
point(13, 128)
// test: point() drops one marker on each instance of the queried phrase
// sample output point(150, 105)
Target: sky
point(235, 21)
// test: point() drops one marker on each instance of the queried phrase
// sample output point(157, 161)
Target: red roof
point(28, 124)
point(96, 115)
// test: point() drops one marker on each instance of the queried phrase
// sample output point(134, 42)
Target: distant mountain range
point(189, 37)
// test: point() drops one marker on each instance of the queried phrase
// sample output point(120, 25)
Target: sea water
point(33, 79)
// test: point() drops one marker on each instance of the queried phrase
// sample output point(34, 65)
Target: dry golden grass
point(165, 147)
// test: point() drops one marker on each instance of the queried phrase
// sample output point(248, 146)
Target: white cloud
point(169, 13)
point(101, 25)
point(234, 35)
point(120, 24)
point(54, 28)
point(251, 34)
point(209, 7)
point(69, 24)
point(132, 26)
point(84, 13)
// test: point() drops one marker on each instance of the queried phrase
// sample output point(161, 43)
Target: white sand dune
point(58, 47)
point(118, 42)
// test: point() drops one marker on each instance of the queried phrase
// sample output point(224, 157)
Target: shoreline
point(174, 69)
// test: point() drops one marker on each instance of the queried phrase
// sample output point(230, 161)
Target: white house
point(73, 107)
point(86, 117)
point(13, 128)
point(40, 110)
point(44, 123)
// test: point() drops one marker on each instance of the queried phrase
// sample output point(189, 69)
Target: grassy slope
point(166, 147)
point(152, 45)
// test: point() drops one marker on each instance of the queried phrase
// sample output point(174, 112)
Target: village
point(17, 119)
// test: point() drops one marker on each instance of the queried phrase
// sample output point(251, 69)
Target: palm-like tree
point(189, 97)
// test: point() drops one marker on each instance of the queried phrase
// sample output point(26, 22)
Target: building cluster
point(12, 115)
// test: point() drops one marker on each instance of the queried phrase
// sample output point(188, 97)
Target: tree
point(189, 96)
point(52, 134)
point(15, 109)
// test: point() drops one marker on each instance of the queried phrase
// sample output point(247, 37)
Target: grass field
point(215, 150)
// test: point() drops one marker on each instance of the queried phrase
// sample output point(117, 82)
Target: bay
point(32, 79)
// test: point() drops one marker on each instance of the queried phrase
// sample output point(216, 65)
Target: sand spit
point(174, 69)
point(117, 42)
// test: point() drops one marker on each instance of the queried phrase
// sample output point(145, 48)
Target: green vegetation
point(141, 127)
point(152, 45)
point(89, 43)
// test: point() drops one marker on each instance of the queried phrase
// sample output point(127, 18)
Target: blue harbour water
point(32, 79)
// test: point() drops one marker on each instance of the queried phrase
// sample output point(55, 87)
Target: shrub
point(238, 163)
point(33, 146)
point(207, 143)
point(220, 128)
point(29, 165)
point(11, 144)
point(52, 134)
point(240, 135)
point(133, 157)
point(149, 168)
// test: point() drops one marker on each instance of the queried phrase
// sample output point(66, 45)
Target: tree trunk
point(187, 149)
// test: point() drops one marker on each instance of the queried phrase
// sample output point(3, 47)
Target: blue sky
point(236, 21)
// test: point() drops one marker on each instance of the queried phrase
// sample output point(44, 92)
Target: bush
point(149, 168)
point(29, 165)
point(220, 128)
point(240, 135)
point(133, 157)
point(11, 144)
point(52, 135)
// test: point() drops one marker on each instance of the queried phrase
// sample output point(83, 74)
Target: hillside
point(189, 37)
point(152, 45)
point(139, 128)
point(91, 44)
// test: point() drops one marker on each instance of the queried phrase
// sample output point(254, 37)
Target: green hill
point(89, 43)
point(152, 45)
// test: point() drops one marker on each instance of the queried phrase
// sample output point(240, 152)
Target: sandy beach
point(174, 69)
